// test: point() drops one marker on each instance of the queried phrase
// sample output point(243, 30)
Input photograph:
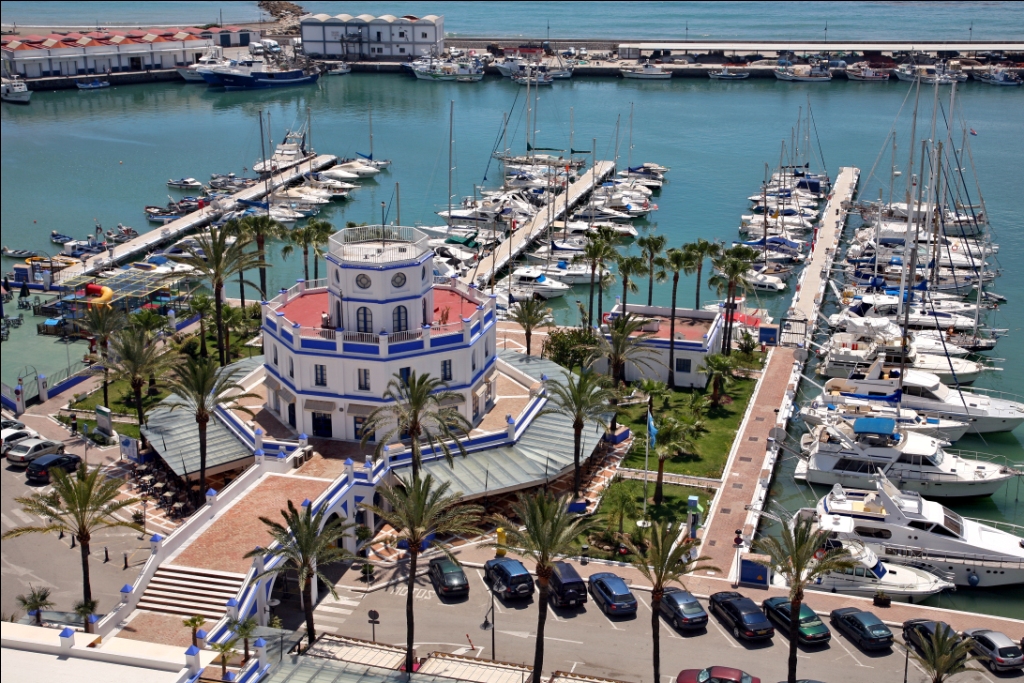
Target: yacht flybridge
point(851, 455)
point(903, 527)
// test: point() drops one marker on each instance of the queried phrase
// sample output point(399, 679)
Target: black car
point(919, 631)
point(508, 578)
point(566, 587)
point(810, 629)
point(612, 594)
point(448, 578)
point(682, 610)
point(863, 628)
point(39, 469)
point(742, 615)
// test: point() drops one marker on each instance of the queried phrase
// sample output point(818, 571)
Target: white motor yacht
point(214, 56)
point(903, 527)
point(645, 71)
point(850, 455)
point(14, 90)
point(823, 411)
point(571, 273)
point(286, 154)
point(763, 282)
point(888, 306)
point(534, 281)
point(846, 353)
point(339, 174)
point(360, 169)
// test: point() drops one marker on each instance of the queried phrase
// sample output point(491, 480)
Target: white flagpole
point(647, 456)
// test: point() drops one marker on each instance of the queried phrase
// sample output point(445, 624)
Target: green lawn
point(713, 445)
point(122, 428)
point(121, 398)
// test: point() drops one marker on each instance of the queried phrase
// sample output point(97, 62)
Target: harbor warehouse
point(366, 37)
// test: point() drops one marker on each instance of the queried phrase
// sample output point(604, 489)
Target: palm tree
point(259, 229)
point(695, 405)
point(244, 629)
point(596, 252)
point(233, 319)
point(194, 622)
point(675, 261)
point(654, 389)
point(80, 504)
point(944, 655)
point(619, 503)
point(651, 247)
point(200, 387)
point(306, 545)
point(201, 305)
point(303, 238)
point(582, 398)
point(35, 602)
point(607, 282)
point(630, 267)
point(420, 511)
point(530, 314)
point(792, 555)
point(102, 322)
point(662, 562)
point(544, 530)
point(137, 358)
point(622, 347)
point(320, 234)
point(673, 436)
point(216, 257)
point(701, 250)
point(148, 321)
point(224, 650)
point(718, 370)
point(732, 265)
point(416, 410)
point(85, 609)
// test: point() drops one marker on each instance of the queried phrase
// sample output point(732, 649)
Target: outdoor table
point(169, 495)
point(147, 480)
point(159, 485)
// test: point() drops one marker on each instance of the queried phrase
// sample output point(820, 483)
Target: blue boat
point(94, 84)
point(258, 80)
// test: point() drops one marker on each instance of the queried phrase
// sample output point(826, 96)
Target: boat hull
point(262, 82)
point(190, 75)
point(928, 488)
point(16, 96)
point(988, 573)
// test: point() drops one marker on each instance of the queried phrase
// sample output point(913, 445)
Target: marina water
point(72, 158)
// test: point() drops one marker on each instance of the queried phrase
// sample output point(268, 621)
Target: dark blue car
point(508, 578)
point(864, 628)
point(682, 610)
point(612, 594)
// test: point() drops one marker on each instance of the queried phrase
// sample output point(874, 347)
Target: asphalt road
point(587, 642)
point(45, 560)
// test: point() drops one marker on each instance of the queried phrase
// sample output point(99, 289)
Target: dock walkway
point(515, 245)
point(177, 229)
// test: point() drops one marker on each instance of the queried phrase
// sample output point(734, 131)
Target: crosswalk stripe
point(340, 601)
point(330, 619)
point(7, 521)
point(327, 629)
point(333, 610)
point(26, 518)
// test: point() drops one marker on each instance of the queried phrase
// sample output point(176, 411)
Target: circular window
point(363, 281)
point(398, 280)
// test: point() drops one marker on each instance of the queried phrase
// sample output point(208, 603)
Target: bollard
point(126, 561)
point(106, 554)
point(72, 541)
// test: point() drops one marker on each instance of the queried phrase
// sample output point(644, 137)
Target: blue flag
point(651, 430)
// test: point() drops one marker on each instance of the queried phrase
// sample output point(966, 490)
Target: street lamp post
point(738, 542)
point(489, 625)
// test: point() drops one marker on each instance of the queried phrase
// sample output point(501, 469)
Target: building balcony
point(381, 245)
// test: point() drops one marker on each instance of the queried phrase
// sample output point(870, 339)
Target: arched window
point(400, 319)
point(364, 320)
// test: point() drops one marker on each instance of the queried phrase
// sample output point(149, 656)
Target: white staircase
point(185, 591)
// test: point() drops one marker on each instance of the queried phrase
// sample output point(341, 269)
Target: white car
point(29, 449)
point(13, 435)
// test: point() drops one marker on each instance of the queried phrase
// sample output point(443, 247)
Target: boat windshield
point(940, 391)
point(952, 521)
point(937, 457)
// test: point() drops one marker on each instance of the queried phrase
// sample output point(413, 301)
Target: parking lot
point(587, 642)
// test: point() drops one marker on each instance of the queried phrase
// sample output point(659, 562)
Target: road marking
point(573, 669)
point(330, 619)
point(839, 640)
point(527, 634)
point(333, 610)
point(607, 618)
point(26, 518)
point(341, 601)
point(725, 635)
point(6, 521)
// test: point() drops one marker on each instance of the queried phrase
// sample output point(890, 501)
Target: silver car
point(1002, 654)
point(10, 437)
point(28, 450)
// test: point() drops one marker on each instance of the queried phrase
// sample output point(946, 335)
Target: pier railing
point(915, 553)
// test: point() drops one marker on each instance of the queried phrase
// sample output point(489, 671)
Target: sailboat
point(368, 158)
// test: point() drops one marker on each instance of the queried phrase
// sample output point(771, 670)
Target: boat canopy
point(874, 425)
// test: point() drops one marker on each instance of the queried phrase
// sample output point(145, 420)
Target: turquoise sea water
point(628, 21)
point(72, 157)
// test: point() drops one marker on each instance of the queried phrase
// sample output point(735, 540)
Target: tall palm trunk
point(543, 580)
point(696, 301)
point(672, 334)
point(577, 428)
point(218, 308)
point(307, 607)
point(730, 315)
point(659, 485)
point(656, 596)
point(106, 397)
point(590, 307)
point(83, 547)
point(650, 281)
point(305, 262)
point(137, 393)
point(261, 243)
point(241, 288)
point(410, 625)
point(203, 351)
point(529, 338)
point(201, 420)
point(316, 265)
point(625, 293)
point(794, 633)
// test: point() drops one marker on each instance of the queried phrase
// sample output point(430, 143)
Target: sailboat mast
point(263, 153)
point(309, 129)
point(568, 168)
point(371, 132)
point(504, 150)
point(910, 189)
point(528, 108)
point(629, 153)
point(451, 138)
point(905, 341)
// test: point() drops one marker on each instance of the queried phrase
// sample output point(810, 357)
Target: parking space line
point(668, 629)
point(837, 639)
point(728, 638)
point(608, 619)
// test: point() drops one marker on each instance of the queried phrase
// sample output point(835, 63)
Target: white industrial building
point(332, 346)
point(367, 37)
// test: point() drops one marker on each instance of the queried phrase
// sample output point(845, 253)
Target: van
point(255, 48)
point(271, 46)
point(566, 588)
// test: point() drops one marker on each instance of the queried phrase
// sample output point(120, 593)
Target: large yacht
point(851, 455)
point(847, 352)
point(903, 527)
point(823, 410)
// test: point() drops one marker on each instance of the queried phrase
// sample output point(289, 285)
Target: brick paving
point(223, 545)
point(153, 627)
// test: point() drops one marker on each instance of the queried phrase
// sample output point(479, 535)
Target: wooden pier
point(525, 235)
point(177, 229)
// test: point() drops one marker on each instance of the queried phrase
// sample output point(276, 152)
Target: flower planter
point(618, 436)
point(882, 601)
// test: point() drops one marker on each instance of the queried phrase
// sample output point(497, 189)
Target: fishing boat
point(60, 238)
point(233, 79)
point(122, 234)
point(339, 69)
point(185, 184)
point(14, 90)
point(726, 75)
point(645, 72)
point(18, 253)
point(533, 78)
point(861, 71)
point(928, 75)
point(905, 528)
point(94, 84)
point(804, 73)
point(214, 56)
point(839, 453)
point(998, 75)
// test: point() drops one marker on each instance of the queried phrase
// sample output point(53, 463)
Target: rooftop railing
point(379, 244)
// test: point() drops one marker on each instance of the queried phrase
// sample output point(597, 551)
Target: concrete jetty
point(525, 234)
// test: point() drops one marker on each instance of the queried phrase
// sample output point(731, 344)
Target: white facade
point(380, 304)
point(368, 37)
point(99, 58)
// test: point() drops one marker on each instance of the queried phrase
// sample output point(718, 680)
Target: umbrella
point(23, 294)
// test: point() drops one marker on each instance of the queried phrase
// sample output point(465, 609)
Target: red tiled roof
point(33, 39)
point(137, 34)
point(18, 45)
point(306, 310)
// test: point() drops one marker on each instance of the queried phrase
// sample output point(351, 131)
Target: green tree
point(627, 343)
point(216, 256)
point(662, 562)
point(651, 247)
point(596, 252)
point(224, 650)
point(420, 511)
point(619, 503)
point(570, 347)
point(35, 602)
point(244, 629)
point(675, 261)
point(321, 232)
point(718, 370)
point(695, 405)
point(194, 623)
point(673, 436)
point(234, 320)
point(202, 306)
point(791, 554)
point(81, 504)
point(416, 410)
point(101, 322)
point(543, 531)
point(149, 321)
point(944, 655)
point(85, 609)
point(654, 389)
point(630, 268)
point(304, 238)
point(701, 250)
point(731, 266)
point(136, 358)
point(582, 398)
point(259, 229)
point(306, 545)
point(200, 387)
point(530, 314)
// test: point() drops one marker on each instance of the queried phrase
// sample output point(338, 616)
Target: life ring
point(819, 554)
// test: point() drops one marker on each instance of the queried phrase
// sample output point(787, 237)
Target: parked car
point(716, 674)
point(39, 469)
point(919, 631)
point(742, 615)
point(11, 424)
point(28, 450)
point(1002, 653)
point(11, 436)
point(612, 594)
point(567, 588)
point(810, 629)
point(508, 578)
point(863, 628)
point(682, 610)
point(448, 578)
